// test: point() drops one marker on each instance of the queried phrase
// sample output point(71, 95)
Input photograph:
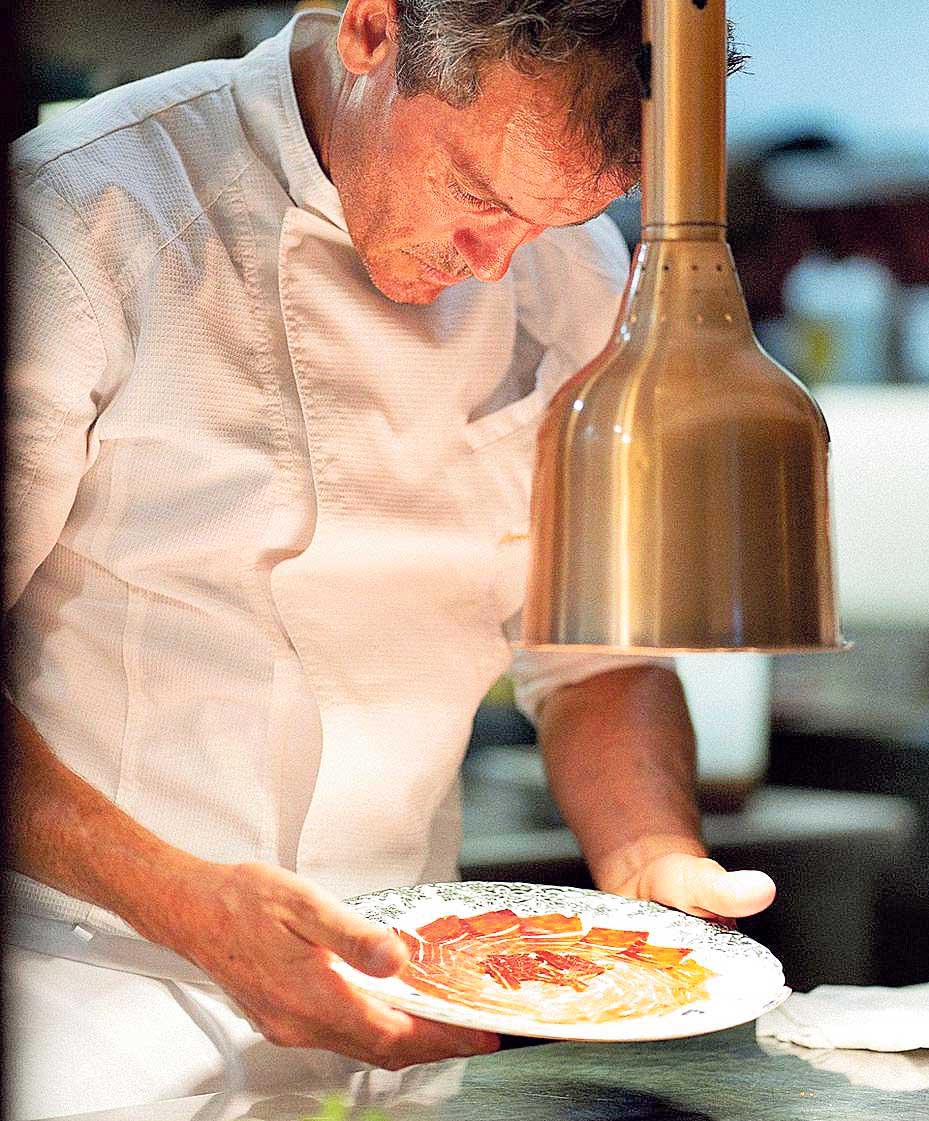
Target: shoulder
point(113, 119)
point(136, 164)
point(569, 282)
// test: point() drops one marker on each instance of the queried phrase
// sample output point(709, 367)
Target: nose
point(488, 252)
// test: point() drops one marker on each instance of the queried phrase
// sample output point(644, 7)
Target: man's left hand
point(687, 882)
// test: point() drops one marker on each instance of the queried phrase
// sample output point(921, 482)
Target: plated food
point(549, 967)
point(567, 963)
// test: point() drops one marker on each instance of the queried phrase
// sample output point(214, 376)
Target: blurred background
point(815, 768)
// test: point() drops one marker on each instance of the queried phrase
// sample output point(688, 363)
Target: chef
point(284, 330)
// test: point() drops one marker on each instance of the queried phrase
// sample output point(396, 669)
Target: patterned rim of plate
point(749, 980)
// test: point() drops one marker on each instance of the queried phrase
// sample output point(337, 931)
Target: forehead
point(516, 137)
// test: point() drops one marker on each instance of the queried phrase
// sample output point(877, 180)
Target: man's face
point(433, 194)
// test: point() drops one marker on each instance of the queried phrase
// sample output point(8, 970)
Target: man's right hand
point(268, 938)
point(263, 934)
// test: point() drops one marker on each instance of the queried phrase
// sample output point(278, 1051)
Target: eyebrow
point(482, 187)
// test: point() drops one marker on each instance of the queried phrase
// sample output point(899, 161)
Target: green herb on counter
point(336, 1108)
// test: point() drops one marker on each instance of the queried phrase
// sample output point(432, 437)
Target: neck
point(319, 79)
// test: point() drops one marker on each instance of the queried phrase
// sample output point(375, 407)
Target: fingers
point(272, 948)
point(395, 1039)
point(703, 887)
point(422, 1041)
point(354, 1024)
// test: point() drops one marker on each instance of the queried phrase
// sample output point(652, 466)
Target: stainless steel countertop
point(725, 1076)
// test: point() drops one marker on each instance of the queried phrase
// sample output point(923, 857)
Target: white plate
point(746, 980)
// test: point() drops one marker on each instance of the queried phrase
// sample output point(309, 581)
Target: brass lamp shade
point(680, 500)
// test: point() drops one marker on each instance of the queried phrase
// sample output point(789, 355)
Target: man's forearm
point(265, 936)
point(68, 835)
point(619, 750)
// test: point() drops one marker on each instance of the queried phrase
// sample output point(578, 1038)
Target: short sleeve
point(56, 360)
point(538, 673)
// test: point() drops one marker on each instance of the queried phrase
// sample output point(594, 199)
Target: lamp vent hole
point(719, 268)
point(695, 268)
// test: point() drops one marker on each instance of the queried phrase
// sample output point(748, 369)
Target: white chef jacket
point(267, 528)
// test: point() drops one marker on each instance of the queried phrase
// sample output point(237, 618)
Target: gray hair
point(444, 45)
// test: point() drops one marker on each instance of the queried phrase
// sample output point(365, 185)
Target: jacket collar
point(270, 115)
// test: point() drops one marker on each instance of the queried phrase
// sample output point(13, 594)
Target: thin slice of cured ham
point(541, 965)
point(548, 968)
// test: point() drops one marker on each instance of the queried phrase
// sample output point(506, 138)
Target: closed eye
point(481, 206)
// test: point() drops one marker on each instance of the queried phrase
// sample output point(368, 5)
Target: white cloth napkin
point(867, 1018)
point(900, 1072)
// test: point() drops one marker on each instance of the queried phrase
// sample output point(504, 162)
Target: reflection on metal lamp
point(680, 500)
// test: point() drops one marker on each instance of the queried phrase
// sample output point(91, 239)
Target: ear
point(366, 34)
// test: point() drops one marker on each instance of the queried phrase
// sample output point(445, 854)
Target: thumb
point(322, 918)
point(703, 887)
point(373, 949)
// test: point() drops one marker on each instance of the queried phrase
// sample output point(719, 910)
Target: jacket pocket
point(506, 421)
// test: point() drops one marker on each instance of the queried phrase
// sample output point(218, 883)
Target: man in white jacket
point(270, 468)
